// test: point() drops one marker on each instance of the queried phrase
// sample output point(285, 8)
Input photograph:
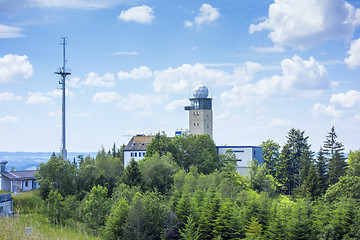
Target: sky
point(269, 66)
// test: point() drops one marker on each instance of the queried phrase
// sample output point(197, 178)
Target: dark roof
point(5, 197)
point(138, 143)
point(20, 175)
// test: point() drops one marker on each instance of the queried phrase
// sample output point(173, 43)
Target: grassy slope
point(26, 208)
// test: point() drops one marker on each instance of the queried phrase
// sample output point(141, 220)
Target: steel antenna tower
point(63, 72)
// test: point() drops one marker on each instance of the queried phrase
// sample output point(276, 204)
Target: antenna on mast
point(63, 72)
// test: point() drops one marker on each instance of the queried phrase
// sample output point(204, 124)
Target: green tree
point(271, 154)
point(336, 162)
point(295, 160)
point(132, 175)
point(254, 229)
point(354, 164)
point(58, 174)
point(96, 207)
point(53, 208)
point(190, 231)
point(114, 228)
point(161, 144)
point(158, 172)
point(199, 151)
point(321, 169)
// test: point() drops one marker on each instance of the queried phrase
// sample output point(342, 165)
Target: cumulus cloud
point(132, 102)
point(10, 32)
point(207, 14)
point(57, 93)
point(38, 98)
point(353, 61)
point(341, 104)
point(136, 73)
point(177, 105)
point(307, 23)
point(6, 96)
point(15, 68)
point(73, 82)
point(9, 119)
point(179, 79)
point(299, 77)
point(93, 79)
point(140, 14)
point(106, 97)
point(279, 122)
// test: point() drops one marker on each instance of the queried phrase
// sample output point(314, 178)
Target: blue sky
point(269, 66)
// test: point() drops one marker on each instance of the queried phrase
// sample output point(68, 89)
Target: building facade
point(136, 148)
point(200, 113)
point(6, 204)
point(244, 155)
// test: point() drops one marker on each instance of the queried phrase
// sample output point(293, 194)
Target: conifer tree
point(334, 150)
point(321, 169)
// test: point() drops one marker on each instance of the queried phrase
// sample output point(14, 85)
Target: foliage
point(271, 155)
point(96, 207)
point(132, 175)
point(158, 172)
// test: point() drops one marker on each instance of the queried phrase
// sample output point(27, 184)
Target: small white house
point(6, 204)
point(136, 148)
point(244, 155)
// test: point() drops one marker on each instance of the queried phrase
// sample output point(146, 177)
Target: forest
point(183, 189)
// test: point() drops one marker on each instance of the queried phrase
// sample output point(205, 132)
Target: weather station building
point(200, 113)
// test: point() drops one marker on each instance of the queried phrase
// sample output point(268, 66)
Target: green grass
point(14, 228)
point(27, 208)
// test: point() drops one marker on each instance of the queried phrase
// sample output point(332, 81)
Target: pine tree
point(321, 169)
point(334, 150)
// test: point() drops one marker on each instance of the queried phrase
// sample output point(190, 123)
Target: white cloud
point(9, 119)
point(353, 61)
point(83, 114)
point(276, 48)
point(136, 73)
point(181, 78)
point(93, 79)
point(299, 77)
point(278, 122)
point(57, 93)
point(349, 99)
point(307, 23)
point(177, 104)
point(134, 101)
point(76, 4)
point(321, 109)
point(38, 98)
point(15, 68)
point(207, 14)
point(73, 82)
point(6, 96)
point(341, 105)
point(222, 116)
point(10, 32)
point(106, 97)
point(140, 14)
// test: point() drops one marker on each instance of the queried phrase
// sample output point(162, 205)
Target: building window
point(1, 209)
point(135, 154)
point(132, 154)
point(26, 184)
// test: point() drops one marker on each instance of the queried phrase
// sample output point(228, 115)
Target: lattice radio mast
point(63, 72)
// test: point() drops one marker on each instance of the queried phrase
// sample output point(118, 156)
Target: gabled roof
point(20, 175)
point(138, 143)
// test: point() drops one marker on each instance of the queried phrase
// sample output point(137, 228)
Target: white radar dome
point(201, 92)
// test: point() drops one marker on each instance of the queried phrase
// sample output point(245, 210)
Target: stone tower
point(200, 112)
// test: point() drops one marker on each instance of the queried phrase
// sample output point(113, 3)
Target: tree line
point(183, 189)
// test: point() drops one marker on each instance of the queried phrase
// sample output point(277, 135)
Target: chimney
point(3, 163)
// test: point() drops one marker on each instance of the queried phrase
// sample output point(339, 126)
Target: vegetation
point(183, 189)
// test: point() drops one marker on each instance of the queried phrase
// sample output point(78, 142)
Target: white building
point(17, 181)
point(6, 204)
point(136, 148)
point(244, 155)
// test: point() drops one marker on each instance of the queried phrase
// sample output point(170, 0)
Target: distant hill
point(31, 160)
